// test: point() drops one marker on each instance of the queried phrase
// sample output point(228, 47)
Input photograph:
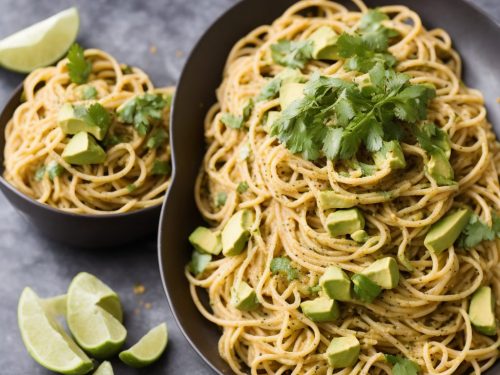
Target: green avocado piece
point(243, 297)
point(321, 309)
point(83, 149)
point(272, 116)
point(445, 232)
point(72, 120)
point(360, 236)
point(440, 168)
point(343, 352)
point(324, 44)
point(364, 289)
point(331, 199)
point(289, 75)
point(343, 222)
point(383, 272)
point(336, 284)
point(236, 233)
point(482, 311)
point(391, 155)
point(289, 92)
point(204, 240)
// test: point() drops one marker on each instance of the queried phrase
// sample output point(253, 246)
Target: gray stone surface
point(126, 29)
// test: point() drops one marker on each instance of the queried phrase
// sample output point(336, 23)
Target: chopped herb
point(112, 140)
point(247, 109)
point(283, 266)
point(96, 115)
point(232, 121)
point(294, 54)
point(161, 168)
point(141, 111)
point(158, 137)
point(315, 289)
point(270, 90)
point(131, 188)
point(365, 289)
point(476, 231)
point(220, 199)
point(242, 187)
point(88, 92)
point(402, 366)
point(126, 69)
point(431, 138)
point(40, 172)
point(199, 262)
point(54, 169)
point(79, 68)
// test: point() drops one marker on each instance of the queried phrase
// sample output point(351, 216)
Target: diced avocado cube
point(199, 261)
point(204, 240)
point(272, 116)
point(83, 149)
point(324, 44)
point(383, 272)
point(236, 233)
point(289, 75)
point(343, 352)
point(336, 284)
point(365, 289)
point(343, 222)
point(440, 168)
point(482, 311)
point(321, 309)
point(289, 92)
point(243, 297)
point(390, 155)
point(360, 236)
point(446, 231)
point(71, 121)
point(331, 199)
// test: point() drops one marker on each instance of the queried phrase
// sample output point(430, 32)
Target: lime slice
point(148, 349)
point(46, 341)
point(94, 316)
point(104, 369)
point(40, 44)
point(56, 306)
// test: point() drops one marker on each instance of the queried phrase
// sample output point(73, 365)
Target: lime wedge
point(56, 306)
point(45, 339)
point(104, 369)
point(148, 349)
point(40, 44)
point(94, 316)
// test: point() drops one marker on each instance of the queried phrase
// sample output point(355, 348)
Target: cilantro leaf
point(88, 92)
point(476, 231)
point(220, 199)
point(131, 187)
point(270, 90)
point(294, 54)
point(402, 366)
point(236, 122)
point(157, 137)
point(161, 168)
point(314, 289)
point(365, 289)
point(283, 266)
point(54, 169)
point(247, 109)
point(79, 68)
point(141, 111)
point(40, 173)
point(99, 116)
point(242, 187)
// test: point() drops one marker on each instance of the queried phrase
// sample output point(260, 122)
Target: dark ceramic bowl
point(78, 230)
point(475, 36)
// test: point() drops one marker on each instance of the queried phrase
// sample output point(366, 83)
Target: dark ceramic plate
point(82, 231)
point(474, 34)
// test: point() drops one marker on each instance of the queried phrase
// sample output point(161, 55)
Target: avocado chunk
point(204, 240)
point(324, 44)
point(289, 75)
point(482, 311)
point(360, 236)
point(236, 233)
point(390, 155)
point(74, 119)
point(336, 284)
point(272, 116)
point(243, 297)
point(289, 92)
point(343, 352)
point(440, 168)
point(331, 199)
point(383, 272)
point(321, 309)
point(445, 232)
point(343, 222)
point(83, 149)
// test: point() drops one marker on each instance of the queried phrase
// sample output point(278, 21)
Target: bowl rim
point(14, 97)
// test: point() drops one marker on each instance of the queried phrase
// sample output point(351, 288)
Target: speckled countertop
point(129, 30)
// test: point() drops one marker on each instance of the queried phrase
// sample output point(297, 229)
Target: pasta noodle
point(35, 142)
point(425, 318)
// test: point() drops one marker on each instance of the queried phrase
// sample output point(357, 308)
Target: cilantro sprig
point(294, 54)
point(95, 114)
point(236, 122)
point(79, 68)
point(142, 110)
point(283, 266)
point(477, 231)
point(402, 366)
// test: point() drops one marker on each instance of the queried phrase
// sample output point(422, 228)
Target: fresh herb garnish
point(96, 115)
point(294, 54)
point(365, 289)
point(283, 265)
point(242, 187)
point(126, 69)
point(315, 289)
point(131, 187)
point(157, 138)
point(111, 140)
point(270, 89)
point(199, 262)
point(402, 366)
point(476, 231)
point(220, 199)
point(40, 172)
point(236, 122)
point(54, 169)
point(431, 138)
point(141, 111)
point(79, 68)
point(161, 168)
point(88, 92)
